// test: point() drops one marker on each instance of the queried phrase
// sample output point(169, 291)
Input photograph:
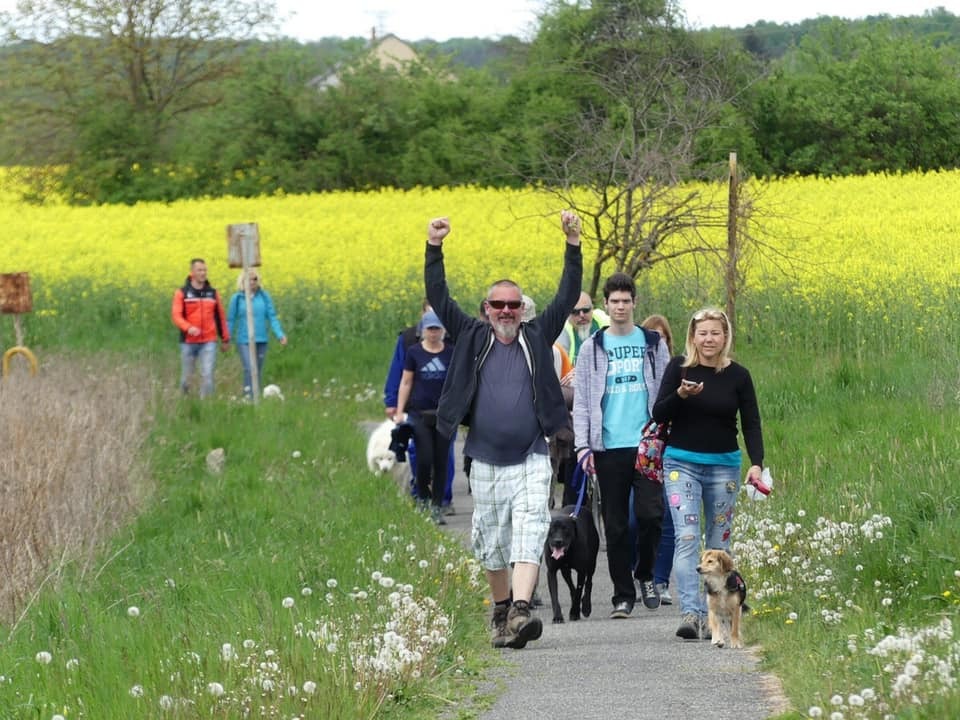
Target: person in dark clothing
point(502, 384)
point(702, 393)
point(424, 371)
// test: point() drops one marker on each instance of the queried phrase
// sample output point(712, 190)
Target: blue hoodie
point(263, 312)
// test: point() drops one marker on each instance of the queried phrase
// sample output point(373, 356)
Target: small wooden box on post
point(16, 299)
point(243, 251)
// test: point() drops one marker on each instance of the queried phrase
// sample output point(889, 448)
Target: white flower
point(58, 717)
point(43, 657)
point(288, 602)
point(332, 583)
point(166, 702)
point(306, 592)
point(73, 664)
point(133, 611)
point(836, 700)
point(296, 454)
point(215, 689)
point(226, 652)
point(267, 685)
point(170, 583)
point(887, 602)
point(815, 712)
point(423, 564)
point(836, 716)
point(331, 648)
point(309, 687)
point(855, 700)
point(136, 691)
point(793, 616)
point(249, 644)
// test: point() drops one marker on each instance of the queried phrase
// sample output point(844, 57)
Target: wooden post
point(733, 250)
point(16, 299)
point(243, 240)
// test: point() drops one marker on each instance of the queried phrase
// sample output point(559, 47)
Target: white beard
point(504, 330)
point(583, 331)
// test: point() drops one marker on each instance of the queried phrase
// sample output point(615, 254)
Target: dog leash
point(580, 472)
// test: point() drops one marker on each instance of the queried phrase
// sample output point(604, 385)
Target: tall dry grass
point(69, 474)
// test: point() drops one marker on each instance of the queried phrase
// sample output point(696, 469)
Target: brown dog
point(726, 593)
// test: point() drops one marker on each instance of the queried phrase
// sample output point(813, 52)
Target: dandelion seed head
point(133, 611)
point(215, 689)
point(309, 687)
point(288, 602)
point(43, 657)
point(136, 691)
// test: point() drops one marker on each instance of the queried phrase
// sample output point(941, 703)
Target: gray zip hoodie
point(590, 384)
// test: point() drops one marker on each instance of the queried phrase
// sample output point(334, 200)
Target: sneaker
point(621, 611)
point(449, 509)
point(436, 514)
point(665, 597)
point(689, 627)
point(500, 635)
point(522, 625)
point(649, 595)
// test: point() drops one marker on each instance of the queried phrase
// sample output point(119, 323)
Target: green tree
point(117, 75)
point(860, 98)
point(617, 102)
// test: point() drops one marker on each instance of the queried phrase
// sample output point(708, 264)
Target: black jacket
point(473, 339)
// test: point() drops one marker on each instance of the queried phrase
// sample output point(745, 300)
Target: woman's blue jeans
point(701, 499)
point(244, 352)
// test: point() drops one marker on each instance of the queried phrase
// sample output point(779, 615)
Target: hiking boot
point(500, 635)
point(665, 597)
point(621, 611)
point(649, 595)
point(689, 627)
point(524, 626)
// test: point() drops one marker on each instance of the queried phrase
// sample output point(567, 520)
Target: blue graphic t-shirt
point(624, 402)
point(429, 372)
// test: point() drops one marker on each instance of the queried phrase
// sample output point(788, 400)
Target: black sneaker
point(649, 595)
point(522, 625)
point(665, 597)
point(689, 627)
point(621, 611)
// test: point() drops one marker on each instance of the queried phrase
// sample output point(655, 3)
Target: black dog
point(572, 544)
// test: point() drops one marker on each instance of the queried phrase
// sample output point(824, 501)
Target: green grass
point(860, 419)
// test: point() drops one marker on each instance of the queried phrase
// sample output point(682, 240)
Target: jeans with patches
point(701, 499)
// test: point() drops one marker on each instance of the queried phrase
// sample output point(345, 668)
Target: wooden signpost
point(243, 251)
point(15, 299)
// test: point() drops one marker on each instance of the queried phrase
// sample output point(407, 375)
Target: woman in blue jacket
point(263, 313)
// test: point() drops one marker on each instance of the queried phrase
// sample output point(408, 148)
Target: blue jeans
point(244, 352)
point(664, 564)
point(189, 352)
point(692, 490)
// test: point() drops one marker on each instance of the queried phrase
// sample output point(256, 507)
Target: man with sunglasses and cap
point(583, 322)
point(501, 383)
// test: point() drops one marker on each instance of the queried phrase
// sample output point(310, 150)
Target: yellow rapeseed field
point(878, 240)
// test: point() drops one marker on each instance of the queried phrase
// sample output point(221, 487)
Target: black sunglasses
point(582, 311)
point(501, 304)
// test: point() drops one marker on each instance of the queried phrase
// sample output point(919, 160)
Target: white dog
point(380, 458)
point(272, 391)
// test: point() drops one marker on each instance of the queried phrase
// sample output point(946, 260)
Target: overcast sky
point(443, 19)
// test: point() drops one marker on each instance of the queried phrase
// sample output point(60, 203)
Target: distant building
point(389, 51)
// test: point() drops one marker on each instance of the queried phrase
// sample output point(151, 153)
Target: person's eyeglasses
point(501, 304)
point(582, 311)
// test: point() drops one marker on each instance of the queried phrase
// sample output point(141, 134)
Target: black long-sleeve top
point(707, 422)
